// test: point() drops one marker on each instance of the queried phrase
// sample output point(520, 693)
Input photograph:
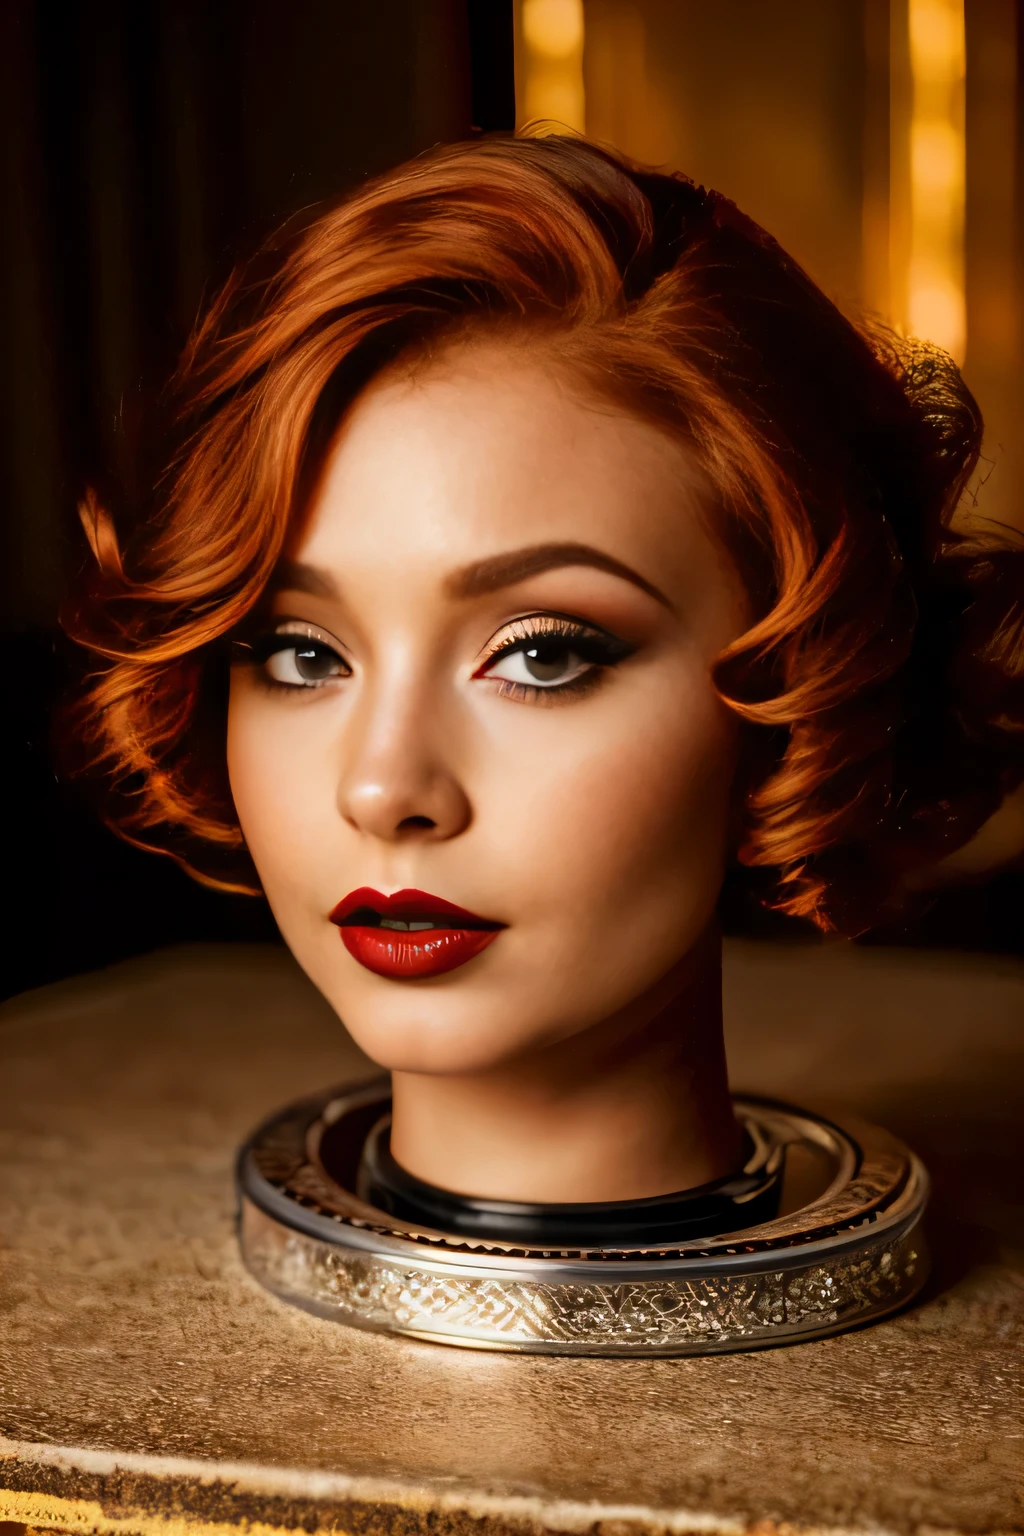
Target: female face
point(484, 684)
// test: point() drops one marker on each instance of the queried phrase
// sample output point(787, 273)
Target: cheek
point(270, 768)
point(634, 819)
point(251, 773)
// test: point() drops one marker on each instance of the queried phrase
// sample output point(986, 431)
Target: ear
point(99, 530)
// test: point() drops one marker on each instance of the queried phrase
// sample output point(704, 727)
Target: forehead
point(487, 449)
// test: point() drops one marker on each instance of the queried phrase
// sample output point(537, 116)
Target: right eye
point(299, 661)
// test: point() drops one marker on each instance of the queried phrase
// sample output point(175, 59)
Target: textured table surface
point(147, 1384)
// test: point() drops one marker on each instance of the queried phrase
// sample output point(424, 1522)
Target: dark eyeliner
point(600, 649)
point(257, 651)
point(589, 643)
point(262, 647)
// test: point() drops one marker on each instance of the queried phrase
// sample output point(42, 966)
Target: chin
point(437, 1042)
point(454, 1025)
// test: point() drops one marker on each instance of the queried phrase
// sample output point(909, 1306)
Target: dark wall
point(144, 146)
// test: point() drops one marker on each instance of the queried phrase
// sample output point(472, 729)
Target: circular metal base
point(846, 1248)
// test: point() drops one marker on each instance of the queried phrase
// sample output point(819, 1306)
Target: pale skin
point(579, 1057)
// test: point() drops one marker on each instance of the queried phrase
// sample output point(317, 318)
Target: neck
point(636, 1106)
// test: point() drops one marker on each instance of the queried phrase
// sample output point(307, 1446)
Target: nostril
point(416, 823)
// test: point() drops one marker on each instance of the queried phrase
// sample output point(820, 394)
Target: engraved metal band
point(852, 1252)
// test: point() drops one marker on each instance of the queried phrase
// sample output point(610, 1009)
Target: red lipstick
point(410, 934)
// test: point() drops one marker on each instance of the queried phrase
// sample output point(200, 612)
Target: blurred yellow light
point(936, 160)
point(554, 100)
point(938, 311)
point(937, 48)
point(936, 304)
point(550, 65)
point(553, 28)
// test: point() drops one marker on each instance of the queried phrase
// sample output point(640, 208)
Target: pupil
point(548, 662)
point(314, 663)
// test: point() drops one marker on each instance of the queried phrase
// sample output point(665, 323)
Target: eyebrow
point(484, 576)
point(517, 565)
point(293, 576)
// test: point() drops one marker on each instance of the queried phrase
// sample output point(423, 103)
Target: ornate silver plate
point(846, 1248)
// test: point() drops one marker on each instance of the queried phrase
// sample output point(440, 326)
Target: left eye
point(541, 664)
point(304, 664)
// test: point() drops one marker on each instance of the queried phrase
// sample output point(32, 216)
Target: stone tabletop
point(147, 1384)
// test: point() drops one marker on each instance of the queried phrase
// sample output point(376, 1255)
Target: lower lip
point(408, 956)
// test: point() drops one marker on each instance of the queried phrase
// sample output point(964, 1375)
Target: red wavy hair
point(882, 682)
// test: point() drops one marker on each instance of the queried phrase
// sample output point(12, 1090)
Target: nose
point(398, 782)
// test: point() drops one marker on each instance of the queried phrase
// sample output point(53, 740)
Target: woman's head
point(528, 343)
point(485, 675)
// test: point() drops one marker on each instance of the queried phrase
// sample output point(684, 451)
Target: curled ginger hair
point(881, 683)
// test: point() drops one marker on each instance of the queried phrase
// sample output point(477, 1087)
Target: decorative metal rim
point(853, 1253)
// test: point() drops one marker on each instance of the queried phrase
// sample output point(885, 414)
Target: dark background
point(145, 146)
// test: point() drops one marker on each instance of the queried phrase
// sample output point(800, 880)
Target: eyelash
point(600, 649)
point(261, 648)
point(594, 646)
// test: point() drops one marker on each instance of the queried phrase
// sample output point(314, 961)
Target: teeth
point(402, 927)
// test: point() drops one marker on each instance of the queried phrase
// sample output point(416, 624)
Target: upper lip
point(407, 906)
